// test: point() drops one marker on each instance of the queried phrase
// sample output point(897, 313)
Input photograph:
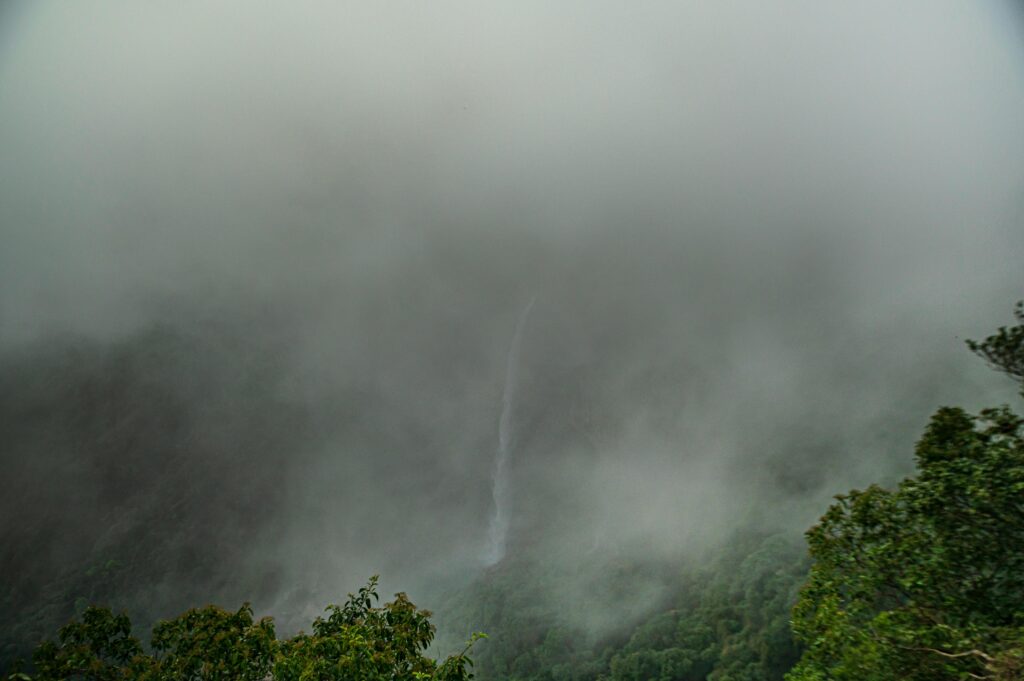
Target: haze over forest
point(457, 292)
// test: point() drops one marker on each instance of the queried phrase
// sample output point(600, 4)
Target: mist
point(277, 260)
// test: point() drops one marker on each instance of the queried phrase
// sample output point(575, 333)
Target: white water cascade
point(500, 484)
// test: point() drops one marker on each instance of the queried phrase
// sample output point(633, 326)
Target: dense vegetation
point(357, 640)
point(726, 619)
point(927, 581)
point(922, 582)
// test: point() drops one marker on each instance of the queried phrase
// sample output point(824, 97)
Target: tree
point(357, 641)
point(926, 582)
point(100, 647)
point(1004, 350)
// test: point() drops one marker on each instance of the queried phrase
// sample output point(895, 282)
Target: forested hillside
point(569, 320)
point(723, 616)
point(921, 582)
point(121, 426)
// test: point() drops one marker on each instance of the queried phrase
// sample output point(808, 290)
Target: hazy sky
point(149, 146)
point(757, 234)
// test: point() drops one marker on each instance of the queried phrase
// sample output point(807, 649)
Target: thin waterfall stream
point(498, 530)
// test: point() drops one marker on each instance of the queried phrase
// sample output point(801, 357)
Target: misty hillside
point(170, 468)
point(568, 321)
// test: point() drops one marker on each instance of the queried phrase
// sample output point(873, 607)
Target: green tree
point(100, 646)
point(1004, 350)
point(213, 644)
point(926, 582)
point(357, 641)
point(364, 642)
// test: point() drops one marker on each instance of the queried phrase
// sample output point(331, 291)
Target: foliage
point(360, 641)
point(736, 629)
point(1004, 350)
point(357, 641)
point(100, 647)
point(927, 581)
point(726, 620)
point(211, 643)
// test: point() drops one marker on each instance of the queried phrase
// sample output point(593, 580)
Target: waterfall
point(500, 485)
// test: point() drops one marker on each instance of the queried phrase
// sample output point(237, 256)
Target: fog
point(755, 237)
